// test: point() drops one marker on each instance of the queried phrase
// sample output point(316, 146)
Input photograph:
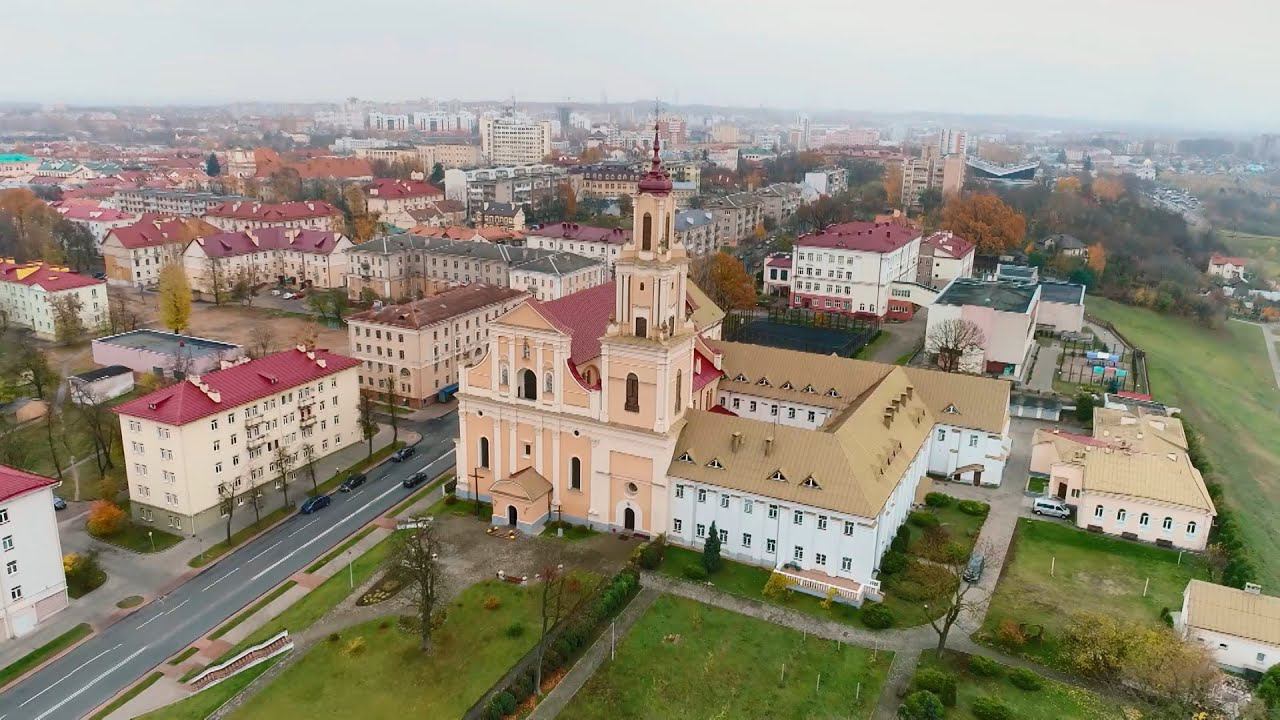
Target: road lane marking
point(90, 684)
point(338, 524)
point(224, 577)
point(264, 552)
point(175, 607)
point(304, 527)
point(73, 672)
point(157, 617)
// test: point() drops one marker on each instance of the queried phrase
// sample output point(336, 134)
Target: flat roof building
point(164, 354)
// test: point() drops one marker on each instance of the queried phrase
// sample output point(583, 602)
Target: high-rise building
point(953, 142)
point(514, 140)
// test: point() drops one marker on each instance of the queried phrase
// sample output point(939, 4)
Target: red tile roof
point(387, 189)
point(15, 482)
point(153, 230)
point(267, 161)
point(244, 383)
point(953, 245)
point(586, 233)
point(864, 236)
point(50, 277)
point(450, 303)
point(318, 242)
point(272, 212)
point(708, 371)
point(1227, 260)
point(584, 315)
point(85, 213)
point(778, 261)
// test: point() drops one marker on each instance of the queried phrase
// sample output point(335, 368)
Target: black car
point(352, 482)
point(314, 504)
point(415, 480)
point(403, 454)
point(59, 503)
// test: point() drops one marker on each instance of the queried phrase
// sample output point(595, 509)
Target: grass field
point(1222, 380)
point(1055, 700)
point(203, 703)
point(684, 659)
point(391, 678)
point(1108, 571)
point(1265, 249)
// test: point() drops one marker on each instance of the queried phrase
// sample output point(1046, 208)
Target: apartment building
point(309, 215)
point(170, 202)
point(506, 216)
point(828, 181)
point(134, 254)
point(406, 266)
point(195, 447)
point(29, 290)
point(781, 200)
point(518, 184)
point(605, 182)
point(589, 241)
point(449, 156)
point(737, 216)
point(931, 171)
point(849, 268)
point(283, 256)
point(698, 231)
point(33, 587)
point(944, 256)
point(97, 220)
point(440, 213)
point(513, 140)
point(394, 200)
point(419, 347)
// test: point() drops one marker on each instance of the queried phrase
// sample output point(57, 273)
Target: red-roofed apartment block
point(777, 274)
point(134, 254)
point(393, 199)
point(289, 257)
point(944, 257)
point(246, 215)
point(32, 585)
point(849, 268)
point(190, 445)
point(30, 293)
point(1227, 268)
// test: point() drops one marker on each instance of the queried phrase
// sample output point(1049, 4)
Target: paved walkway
point(902, 338)
point(1046, 368)
point(1269, 339)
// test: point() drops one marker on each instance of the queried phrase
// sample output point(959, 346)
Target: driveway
point(1046, 367)
point(903, 338)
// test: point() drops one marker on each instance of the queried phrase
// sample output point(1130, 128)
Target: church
point(618, 407)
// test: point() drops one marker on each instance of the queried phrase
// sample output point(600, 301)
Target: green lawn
point(130, 694)
point(1265, 249)
point(135, 537)
point(1037, 485)
point(391, 678)
point(688, 660)
point(571, 532)
point(10, 672)
point(1055, 700)
point(1107, 572)
point(1222, 380)
point(202, 704)
point(961, 528)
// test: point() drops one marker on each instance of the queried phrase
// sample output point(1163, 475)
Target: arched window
point(548, 382)
point(646, 232)
point(1144, 519)
point(642, 327)
point(1121, 514)
point(528, 388)
point(679, 388)
point(575, 474)
point(1191, 528)
point(633, 393)
point(1167, 524)
point(1097, 511)
point(484, 452)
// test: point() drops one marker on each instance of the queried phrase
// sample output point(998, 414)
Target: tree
point(393, 406)
point(711, 551)
point(1108, 188)
point(362, 224)
point(79, 246)
point(437, 174)
point(284, 462)
point(96, 415)
point(245, 286)
point(625, 206)
point(725, 279)
point(367, 419)
point(219, 286)
point(53, 418)
point(1068, 184)
point(552, 607)
point(33, 366)
point(414, 557)
point(985, 219)
point(212, 167)
point(68, 327)
point(952, 339)
point(121, 317)
point(285, 185)
point(174, 298)
point(227, 504)
point(947, 590)
point(893, 184)
point(309, 464)
point(922, 705)
point(105, 518)
point(930, 200)
point(1097, 259)
point(1217, 557)
point(1084, 407)
point(262, 341)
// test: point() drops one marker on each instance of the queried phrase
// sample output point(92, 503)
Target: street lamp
point(152, 538)
point(351, 573)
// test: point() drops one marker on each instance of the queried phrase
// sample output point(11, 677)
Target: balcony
point(818, 584)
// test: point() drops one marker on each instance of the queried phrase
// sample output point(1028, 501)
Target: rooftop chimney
point(736, 441)
point(768, 446)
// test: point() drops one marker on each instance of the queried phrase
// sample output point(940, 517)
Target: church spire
point(657, 181)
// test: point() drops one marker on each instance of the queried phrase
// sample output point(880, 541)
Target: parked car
point(415, 480)
point(59, 503)
point(314, 504)
point(352, 482)
point(99, 276)
point(973, 573)
point(287, 296)
point(403, 454)
point(1051, 506)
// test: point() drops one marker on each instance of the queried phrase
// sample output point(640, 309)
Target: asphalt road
point(109, 662)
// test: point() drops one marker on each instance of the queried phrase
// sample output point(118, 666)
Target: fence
point(801, 329)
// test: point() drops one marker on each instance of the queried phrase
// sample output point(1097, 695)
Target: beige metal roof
point(526, 483)
point(1167, 478)
point(1141, 430)
point(1233, 612)
point(706, 313)
point(968, 401)
point(852, 468)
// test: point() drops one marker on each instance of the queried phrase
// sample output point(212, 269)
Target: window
point(6, 543)
point(1121, 515)
point(724, 536)
point(1144, 520)
point(528, 387)
point(820, 558)
point(771, 546)
point(217, 445)
point(746, 540)
point(797, 553)
point(16, 593)
point(575, 474)
point(135, 426)
point(848, 527)
point(633, 393)
point(746, 506)
point(812, 416)
point(11, 567)
point(217, 467)
point(701, 530)
point(822, 522)
point(4, 515)
point(1097, 511)
point(679, 492)
point(797, 517)
point(773, 512)
point(846, 564)
point(1167, 525)
point(736, 403)
point(677, 525)
point(753, 406)
point(791, 413)
point(724, 500)
point(973, 441)
point(548, 382)
point(213, 424)
point(1191, 528)
point(702, 495)
point(484, 452)
point(942, 434)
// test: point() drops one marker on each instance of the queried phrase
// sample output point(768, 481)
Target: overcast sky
point(1181, 63)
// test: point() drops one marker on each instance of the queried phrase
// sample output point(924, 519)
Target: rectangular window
point(797, 517)
point(724, 536)
point(11, 567)
point(702, 495)
point(16, 593)
point(770, 546)
point(746, 540)
point(679, 491)
point(213, 424)
point(822, 522)
point(6, 543)
point(846, 564)
point(701, 530)
point(791, 413)
point(1097, 511)
point(813, 416)
point(4, 515)
point(820, 558)
point(848, 527)
point(677, 525)
point(973, 441)
point(753, 406)
point(773, 512)
point(942, 434)
point(724, 501)
point(746, 506)
point(797, 553)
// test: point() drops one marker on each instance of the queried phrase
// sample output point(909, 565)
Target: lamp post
point(151, 536)
point(351, 573)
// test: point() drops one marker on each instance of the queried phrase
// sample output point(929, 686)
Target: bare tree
point(947, 589)
point(14, 450)
point(101, 422)
point(552, 607)
point(255, 495)
point(121, 317)
point(309, 464)
point(227, 504)
point(33, 366)
point(284, 462)
point(415, 555)
point(952, 339)
point(368, 420)
point(262, 340)
point(218, 285)
point(68, 326)
point(53, 436)
point(393, 406)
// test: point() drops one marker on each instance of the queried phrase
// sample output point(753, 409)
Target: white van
point(1051, 506)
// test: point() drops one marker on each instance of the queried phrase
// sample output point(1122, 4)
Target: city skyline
point(1125, 67)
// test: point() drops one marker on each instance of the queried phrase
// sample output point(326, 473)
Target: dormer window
point(715, 464)
point(833, 393)
point(951, 409)
point(763, 382)
point(788, 386)
point(740, 378)
point(811, 482)
point(808, 389)
point(778, 476)
point(685, 457)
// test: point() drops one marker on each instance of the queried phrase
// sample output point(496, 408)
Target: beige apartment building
point(511, 140)
point(195, 446)
point(134, 254)
point(931, 171)
point(29, 290)
point(737, 216)
point(309, 215)
point(394, 200)
point(449, 156)
point(286, 257)
point(419, 347)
